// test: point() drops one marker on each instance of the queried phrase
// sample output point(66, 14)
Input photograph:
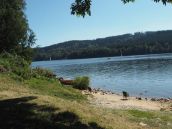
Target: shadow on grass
point(18, 113)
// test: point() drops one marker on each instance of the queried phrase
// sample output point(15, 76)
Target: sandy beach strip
point(109, 100)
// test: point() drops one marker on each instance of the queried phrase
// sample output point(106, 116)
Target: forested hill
point(127, 44)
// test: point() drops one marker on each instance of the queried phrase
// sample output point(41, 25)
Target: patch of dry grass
point(36, 107)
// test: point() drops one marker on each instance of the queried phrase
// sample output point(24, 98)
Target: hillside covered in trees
point(127, 44)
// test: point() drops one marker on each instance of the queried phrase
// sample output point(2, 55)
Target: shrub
point(81, 83)
point(18, 67)
point(15, 64)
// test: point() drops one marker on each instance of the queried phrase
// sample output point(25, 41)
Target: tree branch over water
point(83, 7)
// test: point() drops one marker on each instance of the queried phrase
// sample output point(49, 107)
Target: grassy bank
point(29, 99)
point(41, 103)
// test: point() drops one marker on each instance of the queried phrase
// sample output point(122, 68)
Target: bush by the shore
point(20, 69)
point(81, 83)
point(16, 65)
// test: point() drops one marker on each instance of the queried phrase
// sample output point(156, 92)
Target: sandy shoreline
point(116, 101)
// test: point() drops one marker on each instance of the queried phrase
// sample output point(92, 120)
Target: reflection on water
point(150, 74)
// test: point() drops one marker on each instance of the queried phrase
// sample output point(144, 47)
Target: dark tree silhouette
point(83, 7)
point(15, 34)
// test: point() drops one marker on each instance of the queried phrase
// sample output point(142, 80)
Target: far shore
point(108, 99)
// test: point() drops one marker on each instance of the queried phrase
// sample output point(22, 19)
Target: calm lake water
point(150, 75)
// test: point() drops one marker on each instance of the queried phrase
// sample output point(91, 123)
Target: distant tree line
point(17, 37)
point(127, 44)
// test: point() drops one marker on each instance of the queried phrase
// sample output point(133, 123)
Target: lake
point(145, 75)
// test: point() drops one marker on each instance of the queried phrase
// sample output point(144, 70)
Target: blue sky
point(52, 22)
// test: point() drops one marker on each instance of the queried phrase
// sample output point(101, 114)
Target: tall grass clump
point(16, 65)
point(20, 69)
point(81, 83)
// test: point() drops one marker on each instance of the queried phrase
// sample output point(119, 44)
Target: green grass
point(141, 114)
point(44, 103)
point(52, 87)
point(152, 118)
point(34, 99)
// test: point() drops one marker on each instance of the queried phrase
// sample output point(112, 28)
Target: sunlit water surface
point(149, 75)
